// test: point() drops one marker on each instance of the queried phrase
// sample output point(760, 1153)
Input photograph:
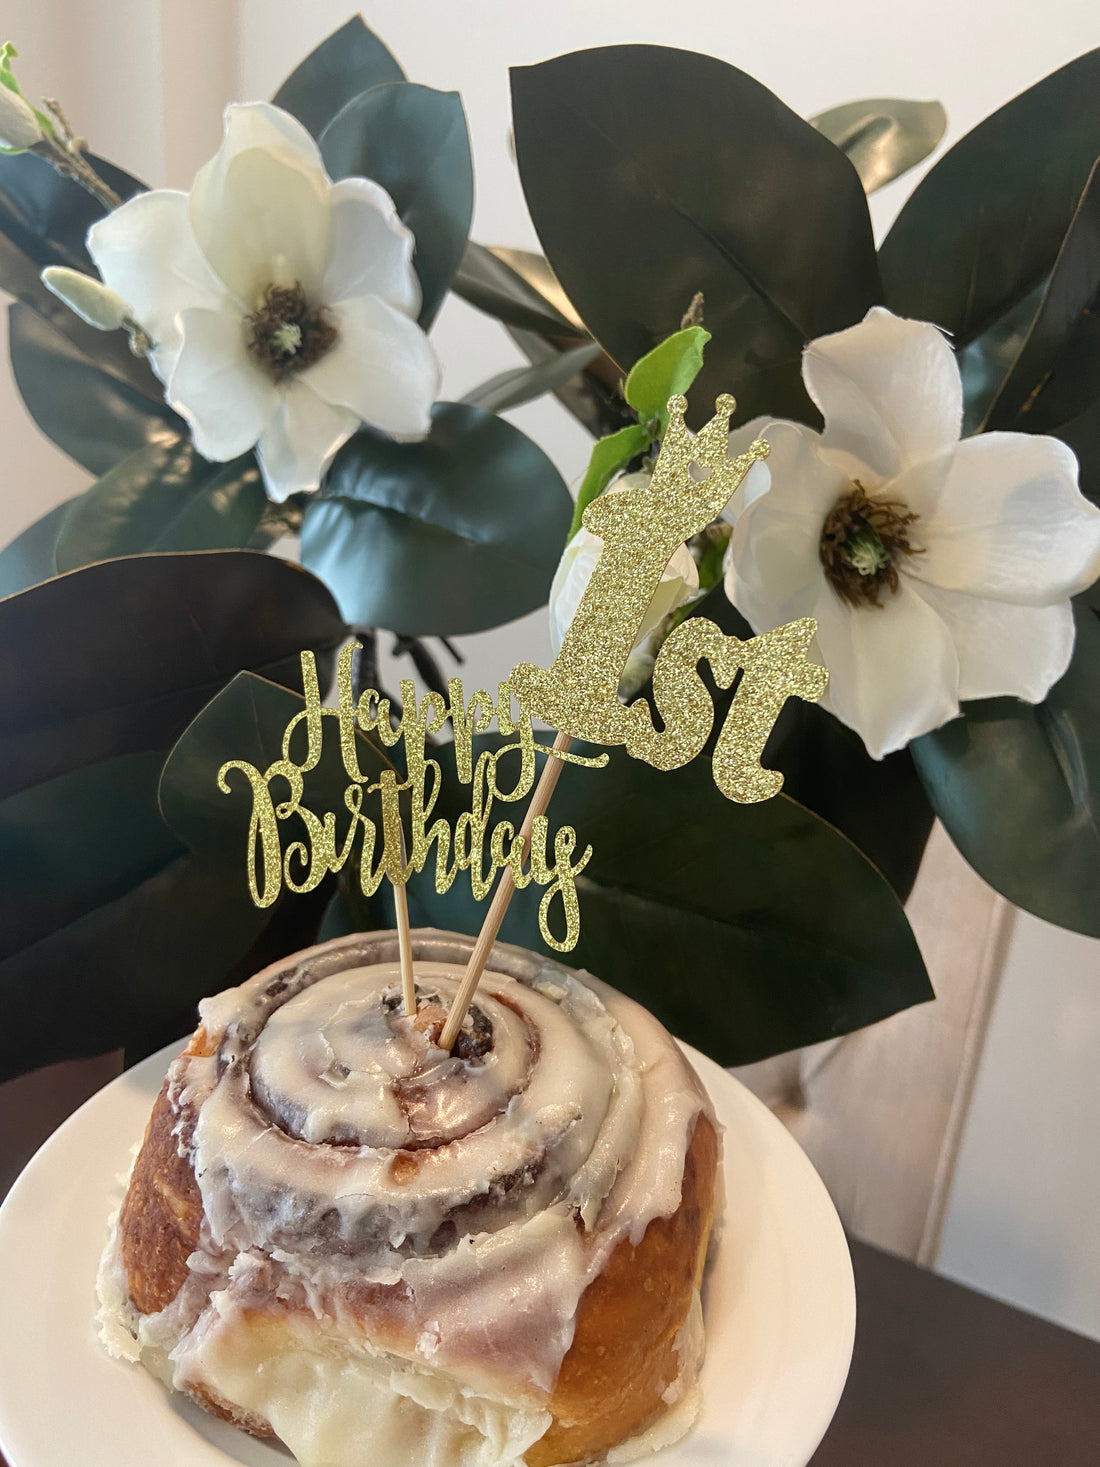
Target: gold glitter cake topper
point(641, 528)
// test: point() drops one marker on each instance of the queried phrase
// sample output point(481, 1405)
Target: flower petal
point(1002, 649)
point(1001, 516)
point(893, 670)
point(146, 252)
point(301, 440)
point(382, 366)
point(371, 248)
point(890, 393)
point(266, 221)
point(225, 397)
point(774, 571)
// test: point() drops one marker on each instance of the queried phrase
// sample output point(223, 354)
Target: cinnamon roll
point(340, 1235)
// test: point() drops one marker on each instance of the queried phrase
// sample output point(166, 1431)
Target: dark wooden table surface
point(941, 1376)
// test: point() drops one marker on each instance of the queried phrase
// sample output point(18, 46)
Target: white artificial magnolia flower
point(937, 570)
point(679, 580)
point(281, 306)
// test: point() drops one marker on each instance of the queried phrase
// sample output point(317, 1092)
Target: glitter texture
point(641, 527)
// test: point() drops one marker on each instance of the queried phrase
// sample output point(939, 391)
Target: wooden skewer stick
point(404, 941)
point(501, 897)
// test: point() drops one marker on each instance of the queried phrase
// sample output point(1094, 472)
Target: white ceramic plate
point(779, 1305)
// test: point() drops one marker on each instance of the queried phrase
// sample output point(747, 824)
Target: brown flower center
point(862, 541)
point(286, 334)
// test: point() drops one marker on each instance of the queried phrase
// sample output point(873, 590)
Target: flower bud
point(87, 297)
point(678, 580)
point(19, 125)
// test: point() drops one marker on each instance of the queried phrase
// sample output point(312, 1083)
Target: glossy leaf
point(878, 804)
point(883, 136)
point(524, 384)
point(413, 141)
point(343, 65)
point(747, 929)
point(669, 369)
point(609, 456)
point(1056, 374)
point(769, 221)
point(166, 498)
point(48, 216)
point(454, 534)
point(489, 283)
point(96, 415)
point(127, 973)
point(984, 226)
point(118, 657)
point(77, 841)
point(32, 556)
point(1018, 788)
point(246, 720)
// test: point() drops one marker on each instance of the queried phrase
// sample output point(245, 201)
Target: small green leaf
point(32, 556)
point(609, 455)
point(1018, 788)
point(670, 368)
point(413, 141)
point(523, 384)
point(343, 65)
point(883, 136)
point(454, 534)
point(165, 498)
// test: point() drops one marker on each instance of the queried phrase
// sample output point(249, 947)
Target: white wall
point(144, 80)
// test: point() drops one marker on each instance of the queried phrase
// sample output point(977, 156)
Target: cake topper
point(640, 527)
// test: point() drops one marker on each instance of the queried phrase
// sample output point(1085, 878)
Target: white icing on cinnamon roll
point(346, 1164)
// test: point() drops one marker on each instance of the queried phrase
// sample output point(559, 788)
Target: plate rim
point(148, 1074)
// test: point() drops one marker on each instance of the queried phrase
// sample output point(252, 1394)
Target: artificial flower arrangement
point(252, 359)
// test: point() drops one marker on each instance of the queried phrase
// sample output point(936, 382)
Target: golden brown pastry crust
point(623, 1356)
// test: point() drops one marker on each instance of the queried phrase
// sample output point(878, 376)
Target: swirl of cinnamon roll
point(339, 1233)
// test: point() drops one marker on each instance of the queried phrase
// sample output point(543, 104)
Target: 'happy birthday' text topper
point(640, 528)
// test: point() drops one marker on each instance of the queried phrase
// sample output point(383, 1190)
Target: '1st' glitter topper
point(640, 527)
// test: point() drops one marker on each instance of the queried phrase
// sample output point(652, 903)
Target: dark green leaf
point(1056, 375)
point(1018, 788)
point(246, 721)
point(879, 804)
point(609, 455)
point(127, 973)
point(523, 384)
point(44, 220)
point(32, 556)
point(455, 534)
point(413, 141)
point(883, 136)
point(48, 216)
point(985, 362)
point(670, 368)
point(652, 174)
point(75, 842)
point(747, 929)
point(118, 657)
point(983, 227)
point(93, 413)
point(1083, 436)
point(490, 284)
point(345, 64)
point(164, 497)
